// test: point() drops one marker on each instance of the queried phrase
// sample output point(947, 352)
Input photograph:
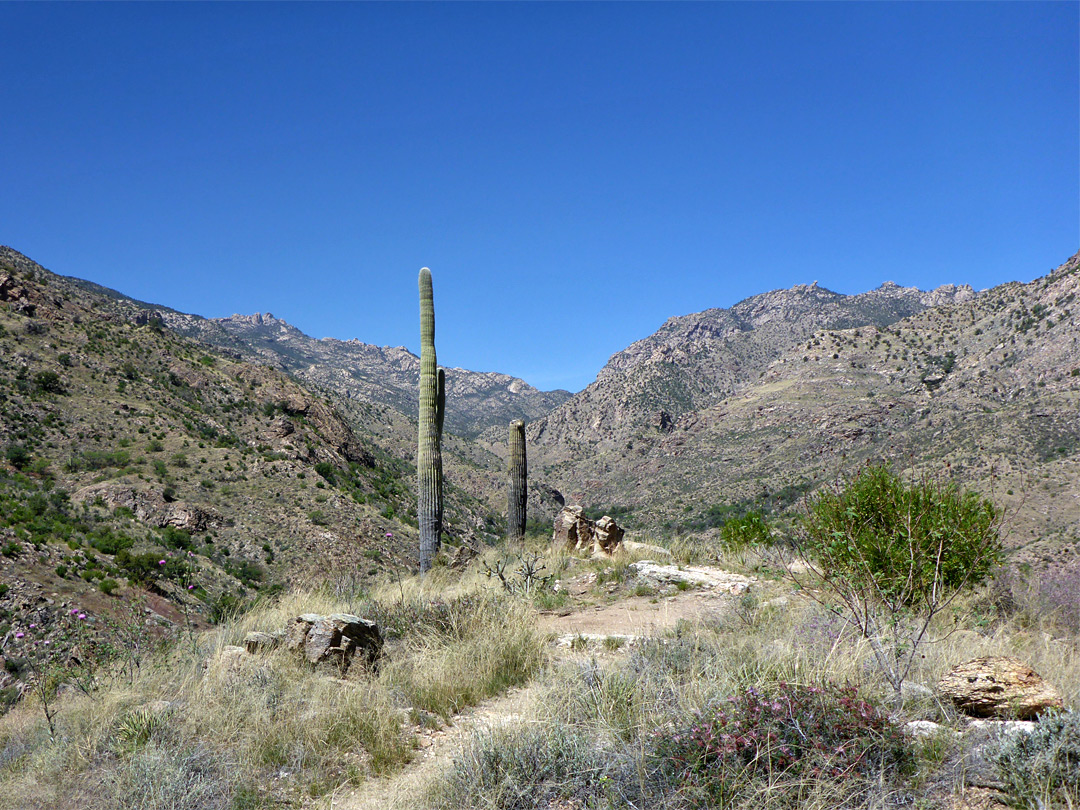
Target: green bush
point(18, 456)
point(903, 541)
point(108, 586)
point(890, 556)
point(49, 382)
point(745, 532)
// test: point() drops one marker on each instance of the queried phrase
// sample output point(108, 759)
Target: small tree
point(892, 555)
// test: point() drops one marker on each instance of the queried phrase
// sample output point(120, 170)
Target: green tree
point(891, 555)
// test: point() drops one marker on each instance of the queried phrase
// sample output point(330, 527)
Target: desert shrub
point(98, 460)
point(524, 767)
point(108, 586)
point(147, 568)
point(173, 537)
point(17, 455)
point(326, 470)
point(744, 532)
point(1049, 592)
point(903, 541)
point(109, 542)
point(787, 736)
point(49, 382)
point(1042, 769)
point(890, 556)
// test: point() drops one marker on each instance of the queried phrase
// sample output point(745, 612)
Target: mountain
point(142, 467)
point(757, 405)
point(386, 375)
point(694, 361)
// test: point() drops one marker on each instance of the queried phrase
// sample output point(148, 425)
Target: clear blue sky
point(572, 173)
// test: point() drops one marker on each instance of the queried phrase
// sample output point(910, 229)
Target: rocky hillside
point(694, 361)
point(139, 467)
point(985, 388)
point(386, 375)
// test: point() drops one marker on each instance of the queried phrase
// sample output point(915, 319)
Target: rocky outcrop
point(149, 505)
point(999, 687)
point(661, 576)
point(579, 534)
point(334, 640)
point(607, 535)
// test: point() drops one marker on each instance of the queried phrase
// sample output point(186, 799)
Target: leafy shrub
point(891, 556)
point(1042, 769)
point(147, 568)
point(49, 382)
point(108, 542)
point(786, 736)
point(18, 456)
point(745, 532)
point(173, 537)
point(903, 540)
point(108, 586)
point(326, 470)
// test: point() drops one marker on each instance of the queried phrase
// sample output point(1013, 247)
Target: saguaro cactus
point(518, 484)
point(429, 503)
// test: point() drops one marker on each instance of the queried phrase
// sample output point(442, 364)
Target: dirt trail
point(403, 790)
point(633, 616)
point(638, 615)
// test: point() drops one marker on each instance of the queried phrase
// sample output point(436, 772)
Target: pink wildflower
point(82, 615)
point(161, 562)
point(19, 635)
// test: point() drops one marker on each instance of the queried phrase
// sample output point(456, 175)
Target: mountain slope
point(356, 370)
point(985, 389)
point(693, 361)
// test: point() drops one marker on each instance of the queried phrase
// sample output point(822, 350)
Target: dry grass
point(197, 729)
point(589, 741)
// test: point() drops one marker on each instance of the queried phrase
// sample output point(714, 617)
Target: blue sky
point(573, 174)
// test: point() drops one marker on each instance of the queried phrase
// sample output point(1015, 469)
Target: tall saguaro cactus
point(518, 484)
point(429, 503)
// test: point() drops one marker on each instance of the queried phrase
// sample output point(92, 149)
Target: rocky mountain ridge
point(379, 374)
point(694, 361)
point(984, 389)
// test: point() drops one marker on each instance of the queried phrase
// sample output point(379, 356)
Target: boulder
point(607, 535)
point(261, 642)
point(1000, 687)
point(578, 534)
point(148, 504)
point(335, 639)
